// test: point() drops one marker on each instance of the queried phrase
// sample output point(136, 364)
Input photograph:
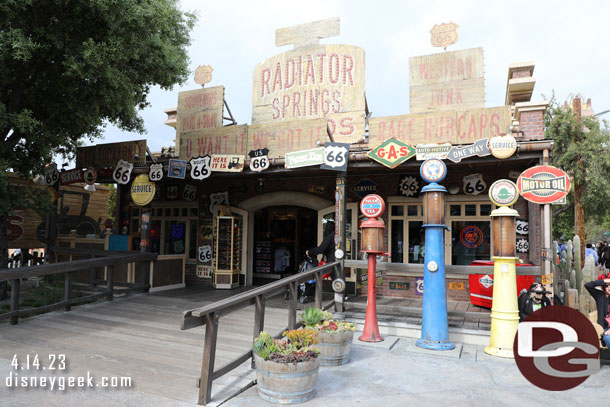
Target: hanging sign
point(479, 148)
point(409, 186)
point(156, 172)
point(433, 170)
point(364, 187)
point(425, 151)
point(205, 254)
point(200, 167)
point(177, 169)
point(90, 175)
point(227, 163)
point(335, 156)
point(189, 192)
point(503, 146)
point(522, 227)
point(392, 153)
point(474, 184)
point(122, 172)
point(523, 246)
point(372, 206)
point(543, 184)
point(304, 158)
point(171, 192)
point(142, 190)
point(106, 155)
point(204, 271)
point(71, 177)
point(51, 175)
point(503, 192)
point(259, 160)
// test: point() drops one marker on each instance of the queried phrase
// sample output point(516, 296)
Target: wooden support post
point(259, 319)
point(340, 231)
point(209, 354)
point(292, 306)
point(318, 296)
point(15, 285)
point(68, 289)
point(110, 286)
point(92, 275)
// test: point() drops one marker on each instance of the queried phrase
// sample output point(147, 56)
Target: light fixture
point(90, 188)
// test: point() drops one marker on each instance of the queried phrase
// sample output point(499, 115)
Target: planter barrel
point(286, 383)
point(335, 348)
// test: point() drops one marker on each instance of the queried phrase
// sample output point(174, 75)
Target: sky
point(568, 41)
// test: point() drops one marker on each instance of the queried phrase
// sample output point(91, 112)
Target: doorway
point(282, 234)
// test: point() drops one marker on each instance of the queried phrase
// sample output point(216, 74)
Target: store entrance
point(281, 236)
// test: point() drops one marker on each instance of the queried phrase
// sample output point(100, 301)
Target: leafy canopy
point(68, 67)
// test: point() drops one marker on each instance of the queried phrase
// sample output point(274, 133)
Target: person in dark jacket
point(532, 301)
point(602, 301)
point(327, 247)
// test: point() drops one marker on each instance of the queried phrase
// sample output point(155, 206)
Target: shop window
point(155, 236)
point(397, 240)
point(176, 212)
point(470, 240)
point(193, 239)
point(455, 210)
point(397, 210)
point(412, 210)
point(406, 233)
point(175, 237)
point(485, 210)
point(168, 212)
point(416, 242)
point(194, 212)
point(470, 210)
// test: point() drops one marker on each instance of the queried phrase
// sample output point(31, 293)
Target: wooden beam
point(207, 362)
point(68, 289)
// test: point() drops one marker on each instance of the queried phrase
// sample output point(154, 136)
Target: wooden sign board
point(281, 138)
point(460, 127)
point(447, 81)
point(309, 83)
point(107, 155)
point(227, 163)
point(224, 140)
point(200, 109)
point(346, 127)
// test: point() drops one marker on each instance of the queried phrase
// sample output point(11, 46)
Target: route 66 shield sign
point(335, 156)
point(259, 161)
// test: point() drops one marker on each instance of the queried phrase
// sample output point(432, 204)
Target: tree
point(582, 149)
point(70, 67)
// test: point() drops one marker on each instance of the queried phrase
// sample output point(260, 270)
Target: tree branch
point(562, 210)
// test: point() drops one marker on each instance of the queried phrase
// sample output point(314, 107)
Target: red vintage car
point(481, 286)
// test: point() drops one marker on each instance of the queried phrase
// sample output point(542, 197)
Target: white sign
point(425, 151)
point(335, 156)
point(156, 172)
point(189, 192)
point(474, 184)
point(409, 186)
point(171, 192)
point(522, 227)
point(220, 198)
point(122, 172)
point(51, 175)
point(486, 281)
point(204, 271)
point(259, 163)
point(200, 167)
point(523, 246)
point(205, 254)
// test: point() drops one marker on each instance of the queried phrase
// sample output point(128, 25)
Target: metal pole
point(371, 327)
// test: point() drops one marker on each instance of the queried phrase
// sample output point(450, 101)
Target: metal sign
point(372, 206)
point(522, 227)
point(142, 190)
point(364, 187)
point(474, 184)
point(219, 198)
point(503, 146)
point(205, 254)
point(71, 177)
point(200, 167)
point(503, 192)
point(90, 175)
point(259, 160)
point(122, 172)
point(189, 192)
point(335, 156)
point(171, 192)
point(203, 74)
point(426, 151)
point(227, 163)
point(51, 175)
point(479, 148)
point(204, 271)
point(177, 169)
point(523, 245)
point(443, 35)
point(392, 153)
point(543, 184)
point(409, 186)
point(304, 158)
point(156, 172)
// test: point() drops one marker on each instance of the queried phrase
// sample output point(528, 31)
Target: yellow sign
point(503, 146)
point(456, 286)
point(142, 190)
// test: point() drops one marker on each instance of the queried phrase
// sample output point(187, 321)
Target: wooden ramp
point(139, 336)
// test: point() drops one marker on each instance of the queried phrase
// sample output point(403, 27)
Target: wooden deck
point(139, 336)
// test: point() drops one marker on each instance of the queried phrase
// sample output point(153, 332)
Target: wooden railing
point(210, 315)
point(419, 268)
point(68, 269)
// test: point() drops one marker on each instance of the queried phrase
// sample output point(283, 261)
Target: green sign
point(304, 158)
point(392, 153)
